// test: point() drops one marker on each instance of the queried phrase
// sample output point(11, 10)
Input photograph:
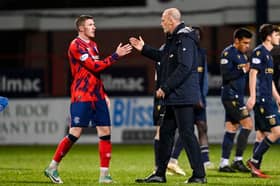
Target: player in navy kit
point(234, 67)
point(264, 97)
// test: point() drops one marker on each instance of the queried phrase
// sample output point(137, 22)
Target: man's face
point(275, 37)
point(243, 45)
point(88, 28)
point(165, 23)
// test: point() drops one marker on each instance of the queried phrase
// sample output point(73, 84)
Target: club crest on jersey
point(225, 54)
point(238, 56)
point(199, 69)
point(261, 110)
point(258, 53)
point(84, 57)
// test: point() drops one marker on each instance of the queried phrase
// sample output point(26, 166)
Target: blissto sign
point(132, 112)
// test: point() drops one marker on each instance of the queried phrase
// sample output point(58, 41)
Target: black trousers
point(180, 117)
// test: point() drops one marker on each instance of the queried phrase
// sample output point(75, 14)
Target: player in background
point(199, 115)
point(88, 99)
point(3, 103)
point(234, 68)
point(264, 97)
point(158, 113)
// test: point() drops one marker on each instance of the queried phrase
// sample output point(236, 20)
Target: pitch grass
point(24, 165)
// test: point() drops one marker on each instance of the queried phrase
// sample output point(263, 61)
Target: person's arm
point(252, 88)
point(81, 55)
point(146, 50)
point(108, 102)
point(205, 77)
point(275, 93)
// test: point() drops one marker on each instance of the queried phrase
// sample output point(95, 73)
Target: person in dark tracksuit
point(179, 88)
point(234, 68)
point(199, 115)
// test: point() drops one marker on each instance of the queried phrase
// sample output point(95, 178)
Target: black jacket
point(178, 76)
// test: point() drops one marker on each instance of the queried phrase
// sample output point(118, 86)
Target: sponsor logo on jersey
point(256, 60)
point(224, 61)
point(269, 70)
point(76, 120)
point(84, 57)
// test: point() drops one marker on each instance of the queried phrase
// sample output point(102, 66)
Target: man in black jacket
point(179, 90)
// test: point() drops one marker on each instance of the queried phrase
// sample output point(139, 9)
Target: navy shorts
point(235, 111)
point(89, 114)
point(200, 114)
point(266, 115)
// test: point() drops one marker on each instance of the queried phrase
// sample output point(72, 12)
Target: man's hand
point(251, 103)
point(137, 43)
point(160, 93)
point(246, 68)
point(123, 50)
point(108, 102)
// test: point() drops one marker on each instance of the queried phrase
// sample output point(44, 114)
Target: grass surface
point(24, 165)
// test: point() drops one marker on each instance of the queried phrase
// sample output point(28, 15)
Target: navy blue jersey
point(262, 61)
point(234, 78)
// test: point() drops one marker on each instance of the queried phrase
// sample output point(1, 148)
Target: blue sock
point(204, 153)
point(261, 149)
point(227, 144)
point(177, 148)
point(242, 141)
point(256, 144)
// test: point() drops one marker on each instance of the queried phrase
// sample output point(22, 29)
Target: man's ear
point(81, 29)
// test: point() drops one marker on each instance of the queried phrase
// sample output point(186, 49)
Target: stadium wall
point(45, 121)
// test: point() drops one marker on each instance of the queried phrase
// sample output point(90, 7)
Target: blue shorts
point(235, 110)
point(266, 115)
point(89, 114)
point(200, 114)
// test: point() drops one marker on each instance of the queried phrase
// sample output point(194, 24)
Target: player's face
point(243, 45)
point(89, 28)
point(275, 37)
point(165, 23)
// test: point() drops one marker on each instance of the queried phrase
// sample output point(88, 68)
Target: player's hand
point(123, 50)
point(246, 68)
point(160, 93)
point(251, 103)
point(137, 43)
point(108, 102)
point(199, 105)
